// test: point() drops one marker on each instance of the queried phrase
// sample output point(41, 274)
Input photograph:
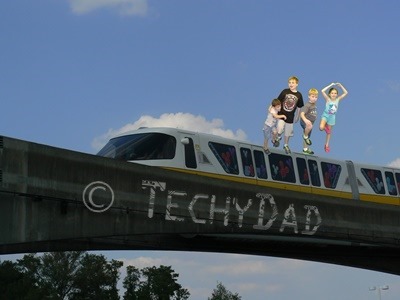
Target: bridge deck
point(53, 199)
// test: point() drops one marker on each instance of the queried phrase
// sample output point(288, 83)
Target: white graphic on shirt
point(332, 108)
point(289, 104)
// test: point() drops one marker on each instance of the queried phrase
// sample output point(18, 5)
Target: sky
point(74, 73)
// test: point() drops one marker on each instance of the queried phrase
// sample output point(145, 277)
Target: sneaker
point(308, 151)
point(275, 143)
point(327, 130)
point(327, 149)
point(287, 149)
point(267, 151)
point(307, 140)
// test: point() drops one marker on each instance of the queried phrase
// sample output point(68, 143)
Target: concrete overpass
point(53, 199)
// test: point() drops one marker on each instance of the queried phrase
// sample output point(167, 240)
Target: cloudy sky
point(74, 73)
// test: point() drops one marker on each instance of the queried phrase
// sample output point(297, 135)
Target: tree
point(14, 284)
point(96, 278)
point(182, 294)
point(29, 266)
point(161, 282)
point(76, 275)
point(156, 284)
point(221, 293)
point(19, 280)
point(131, 283)
point(58, 272)
point(60, 275)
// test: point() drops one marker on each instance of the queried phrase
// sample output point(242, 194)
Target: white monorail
point(239, 161)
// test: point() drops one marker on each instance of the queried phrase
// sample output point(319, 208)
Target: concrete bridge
point(53, 199)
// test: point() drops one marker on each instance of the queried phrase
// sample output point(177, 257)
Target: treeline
point(78, 275)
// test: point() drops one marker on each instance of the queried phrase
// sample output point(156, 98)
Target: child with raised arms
point(328, 118)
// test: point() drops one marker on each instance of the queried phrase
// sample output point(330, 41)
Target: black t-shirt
point(290, 102)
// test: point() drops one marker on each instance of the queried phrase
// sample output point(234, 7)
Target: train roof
point(172, 130)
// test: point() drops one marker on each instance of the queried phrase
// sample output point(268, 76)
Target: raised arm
point(325, 89)
point(344, 94)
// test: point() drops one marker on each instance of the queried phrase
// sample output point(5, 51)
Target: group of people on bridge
point(289, 108)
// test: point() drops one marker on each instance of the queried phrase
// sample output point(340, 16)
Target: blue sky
point(75, 72)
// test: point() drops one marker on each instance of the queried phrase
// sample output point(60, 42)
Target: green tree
point(60, 275)
point(221, 293)
point(161, 282)
point(20, 280)
point(182, 294)
point(75, 275)
point(96, 278)
point(154, 284)
point(29, 266)
point(14, 284)
point(131, 283)
point(58, 272)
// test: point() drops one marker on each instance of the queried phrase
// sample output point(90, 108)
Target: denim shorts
point(303, 125)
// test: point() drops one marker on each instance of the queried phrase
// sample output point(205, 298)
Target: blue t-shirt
point(331, 107)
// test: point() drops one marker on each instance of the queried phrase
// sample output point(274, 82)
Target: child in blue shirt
point(328, 118)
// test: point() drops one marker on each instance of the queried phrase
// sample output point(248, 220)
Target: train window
point(247, 162)
point(282, 167)
point(397, 180)
point(142, 146)
point(330, 173)
point(374, 178)
point(303, 171)
point(314, 174)
point(261, 168)
point(391, 184)
point(190, 157)
point(226, 155)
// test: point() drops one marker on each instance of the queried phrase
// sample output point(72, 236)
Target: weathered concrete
point(51, 198)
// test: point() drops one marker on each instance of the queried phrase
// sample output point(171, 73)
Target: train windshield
point(141, 146)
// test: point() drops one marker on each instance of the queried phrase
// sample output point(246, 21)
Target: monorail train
point(239, 161)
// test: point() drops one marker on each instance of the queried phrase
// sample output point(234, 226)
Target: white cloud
point(124, 7)
point(395, 163)
point(143, 262)
point(175, 120)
